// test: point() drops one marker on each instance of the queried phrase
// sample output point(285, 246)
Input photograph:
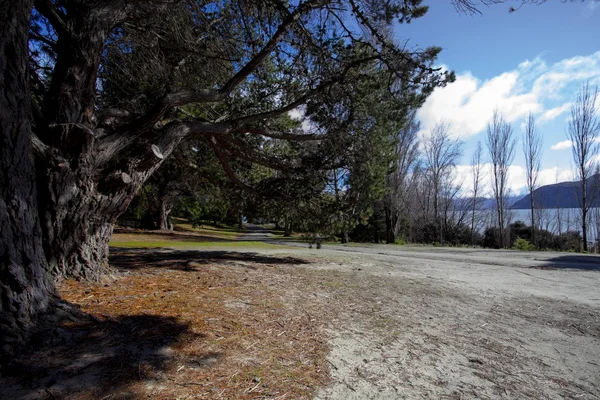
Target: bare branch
point(501, 147)
point(583, 131)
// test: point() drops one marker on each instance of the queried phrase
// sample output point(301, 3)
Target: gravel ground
point(422, 322)
point(401, 322)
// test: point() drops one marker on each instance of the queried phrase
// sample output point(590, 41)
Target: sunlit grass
point(141, 243)
point(220, 232)
point(212, 231)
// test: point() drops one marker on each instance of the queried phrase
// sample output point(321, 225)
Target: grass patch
point(209, 231)
point(145, 241)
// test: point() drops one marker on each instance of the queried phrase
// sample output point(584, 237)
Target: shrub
point(523, 244)
point(491, 238)
point(569, 241)
point(400, 240)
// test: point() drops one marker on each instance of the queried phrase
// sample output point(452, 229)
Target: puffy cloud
point(467, 104)
point(553, 113)
point(565, 144)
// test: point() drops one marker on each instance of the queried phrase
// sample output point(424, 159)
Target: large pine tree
point(97, 94)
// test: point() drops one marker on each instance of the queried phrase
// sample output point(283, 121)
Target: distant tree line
point(392, 186)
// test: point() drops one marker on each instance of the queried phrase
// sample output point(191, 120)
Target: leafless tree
point(558, 223)
point(583, 131)
point(501, 147)
point(441, 153)
point(476, 171)
point(532, 149)
point(396, 199)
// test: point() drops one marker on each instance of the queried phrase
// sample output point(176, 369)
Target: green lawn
point(142, 242)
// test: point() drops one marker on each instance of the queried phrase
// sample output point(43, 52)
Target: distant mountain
point(561, 195)
point(483, 203)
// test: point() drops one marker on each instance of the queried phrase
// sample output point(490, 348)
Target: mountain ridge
point(560, 195)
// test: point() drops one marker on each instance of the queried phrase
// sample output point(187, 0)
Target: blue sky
point(534, 60)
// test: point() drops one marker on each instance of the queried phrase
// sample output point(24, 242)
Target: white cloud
point(553, 113)
point(467, 105)
point(565, 144)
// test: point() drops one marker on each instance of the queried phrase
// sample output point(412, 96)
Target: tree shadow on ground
point(186, 260)
point(575, 261)
point(95, 359)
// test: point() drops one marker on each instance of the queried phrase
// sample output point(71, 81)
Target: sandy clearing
point(401, 322)
point(460, 323)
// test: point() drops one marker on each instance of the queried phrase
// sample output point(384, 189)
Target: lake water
point(551, 219)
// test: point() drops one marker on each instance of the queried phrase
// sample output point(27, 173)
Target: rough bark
point(26, 290)
point(79, 206)
point(164, 212)
point(82, 187)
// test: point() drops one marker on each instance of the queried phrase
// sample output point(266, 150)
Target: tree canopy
point(102, 92)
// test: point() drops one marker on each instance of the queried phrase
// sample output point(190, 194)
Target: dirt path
point(255, 233)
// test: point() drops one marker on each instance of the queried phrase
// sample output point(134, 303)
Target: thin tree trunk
point(165, 208)
point(532, 220)
point(26, 289)
point(584, 212)
point(344, 236)
point(389, 226)
point(473, 223)
point(500, 225)
point(288, 229)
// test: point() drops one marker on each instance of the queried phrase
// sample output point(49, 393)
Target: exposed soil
point(376, 322)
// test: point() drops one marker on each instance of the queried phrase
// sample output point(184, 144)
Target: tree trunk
point(532, 220)
point(288, 229)
point(584, 210)
point(26, 289)
point(164, 213)
point(473, 222)
point(344, 236)
point(389, 226)
point(77, 221)
point(500, 225)
point(240, 221)
point(79, 203)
